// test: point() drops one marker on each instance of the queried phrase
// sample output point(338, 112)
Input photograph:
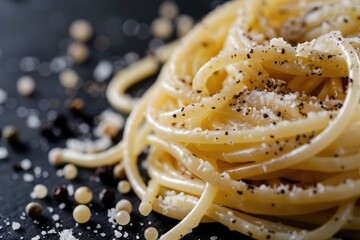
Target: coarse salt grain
point(67, 234)
point(103, 70)
point(15, 226)
point(3, 153)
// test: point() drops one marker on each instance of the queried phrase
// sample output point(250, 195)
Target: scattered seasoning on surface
point(83, 195)
point(81, 214)
point(103, 71)
point(60, 194)
point(34, 210)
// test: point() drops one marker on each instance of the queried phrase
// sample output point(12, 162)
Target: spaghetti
point(253, 122)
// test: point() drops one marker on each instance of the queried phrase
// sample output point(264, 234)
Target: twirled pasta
point(254, 122)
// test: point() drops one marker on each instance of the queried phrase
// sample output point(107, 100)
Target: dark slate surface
point(39, 28)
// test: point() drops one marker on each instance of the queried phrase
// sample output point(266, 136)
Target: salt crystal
point(15, 226)
point(56, 217)
point(33, 121)
point(3, 96)
point(70, 189)
point(25, 164)
point(103, 71)
point(27, 177)
point(3, 153)
point(117, 234)
point(67, 234)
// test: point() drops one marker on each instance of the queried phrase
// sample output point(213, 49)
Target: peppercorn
point(76, 106)
point(105, 173)
point(10, 134)
point(107, 197)
point(60, 193)
point(33, 210)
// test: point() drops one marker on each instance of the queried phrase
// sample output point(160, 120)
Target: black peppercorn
point(10, 134)
point(107, 197)
point(60, 193)
point(105, 173)
point(76, 106)
point(17, 167)
point(33, 210)
point(50, 132)
point(58, 119)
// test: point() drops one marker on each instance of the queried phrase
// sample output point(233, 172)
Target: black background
point(40, 28)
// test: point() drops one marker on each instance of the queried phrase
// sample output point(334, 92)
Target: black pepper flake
point(17, 167)
point(105, 173)
point(248, 56)
point(233, 221)
point(282, 51)
point(10, 134)
point(226, 133)
point(174, 116)
point(107, 197)
point(34, 210)
point(60, 194)
point(239, 192)
point(265, 115)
